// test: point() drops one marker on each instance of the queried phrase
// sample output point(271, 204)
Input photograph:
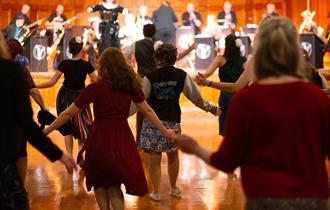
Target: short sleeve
point(89, 68)
point(49, 19)
point(61, 67)
point(29, 79)
point(120, 9)
point(138, 96)
point(86, 96)
point(96, 7)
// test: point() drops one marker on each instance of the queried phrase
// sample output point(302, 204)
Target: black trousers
point(166, 35)
point(12, 192)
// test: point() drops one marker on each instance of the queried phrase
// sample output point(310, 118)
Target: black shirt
point(164, 17)
point(75, 72)
point(13, 32)
point(17, 115)
point(26, 19)
point(187, 22)
point(108, 14)
point(54, 15)
point(167, 84)
point(144, 55)
point(222, 16)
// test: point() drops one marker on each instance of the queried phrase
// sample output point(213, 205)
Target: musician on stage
point(24, 12)
point(16, 30)
point(109, 26)
point(58, 15)
point(327, 35)
point(142, 20)
point(164, 19)
point(270, 11)
point(308, 25)
point(192, 18)
point(227, 18)
point(54, 24)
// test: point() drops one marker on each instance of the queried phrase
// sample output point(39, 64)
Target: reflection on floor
point(51, 188)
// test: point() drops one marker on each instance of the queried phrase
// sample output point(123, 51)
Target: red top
point(279, 135)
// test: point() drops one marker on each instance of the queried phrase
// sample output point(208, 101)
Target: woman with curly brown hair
point(111, 155)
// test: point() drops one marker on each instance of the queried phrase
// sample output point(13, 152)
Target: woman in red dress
point(111, 155)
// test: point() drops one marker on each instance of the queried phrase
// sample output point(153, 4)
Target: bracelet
point(210, 83)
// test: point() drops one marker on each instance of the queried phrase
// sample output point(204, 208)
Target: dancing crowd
point(273, 115)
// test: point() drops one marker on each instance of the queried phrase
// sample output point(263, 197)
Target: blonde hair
point(277, 49)
point(4, 53)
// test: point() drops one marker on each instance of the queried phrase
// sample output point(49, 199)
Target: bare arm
point(62, 118)
point(240, 83)
point(191, 91)
point(149, 114)
point(35, 94)
point(186, 52)
point(189, 145)
point(216, 63)
point(57, 75)
point(93, 76)
point(325, 84)
point(146, 88)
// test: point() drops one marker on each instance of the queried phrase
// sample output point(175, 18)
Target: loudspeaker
point(36, 51)
point(314, 47)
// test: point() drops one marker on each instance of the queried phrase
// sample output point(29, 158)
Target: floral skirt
point(151, 138)
point(287, 204)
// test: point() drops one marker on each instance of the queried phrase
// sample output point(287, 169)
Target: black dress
point(109, 26)
point(75, 72)
point(229, 72)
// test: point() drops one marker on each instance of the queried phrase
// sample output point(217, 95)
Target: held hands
point(201, 80)
point(186, 143)
point(170, 134)
point(69, 163)
point(218, 112)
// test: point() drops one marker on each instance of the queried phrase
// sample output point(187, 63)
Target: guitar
point(307, 24)
point(53, 49)
point(28, 30)
point(51, 24)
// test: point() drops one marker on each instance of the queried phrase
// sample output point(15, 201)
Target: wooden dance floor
point(50, 187)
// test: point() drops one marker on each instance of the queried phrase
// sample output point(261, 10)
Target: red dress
point(111, 155)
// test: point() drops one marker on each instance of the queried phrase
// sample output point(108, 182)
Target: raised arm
point(244, 79)
point(216, 63)
point(146, 88)
point(186, 52)
point(191, 91)
point(57, 75)
point(93, 8)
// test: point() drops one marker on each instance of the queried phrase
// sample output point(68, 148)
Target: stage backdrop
point(248, 11)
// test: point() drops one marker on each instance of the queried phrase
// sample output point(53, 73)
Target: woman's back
point(108, 104)
point(282, 141)
point(231, 70)
point(75, 72)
